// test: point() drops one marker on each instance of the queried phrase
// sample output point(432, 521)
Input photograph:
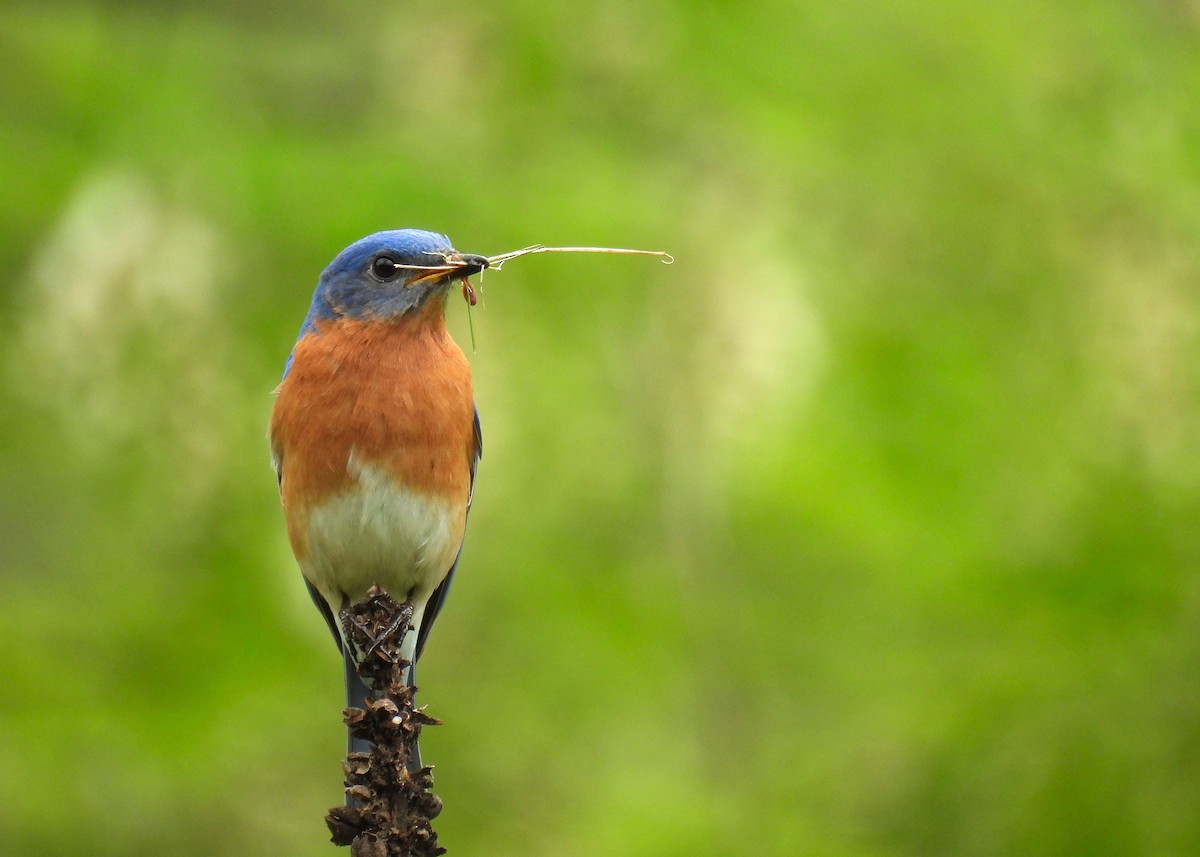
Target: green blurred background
point(870, 527)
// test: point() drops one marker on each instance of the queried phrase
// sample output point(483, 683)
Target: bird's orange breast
point(393, 395)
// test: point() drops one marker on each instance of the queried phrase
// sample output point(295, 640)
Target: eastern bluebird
point(375, 436)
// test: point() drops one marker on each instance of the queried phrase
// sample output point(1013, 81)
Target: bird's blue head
point(366, 281)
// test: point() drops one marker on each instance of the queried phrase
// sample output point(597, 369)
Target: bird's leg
point(354, 629)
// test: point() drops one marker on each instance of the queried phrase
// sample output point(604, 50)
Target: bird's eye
point(384, 267)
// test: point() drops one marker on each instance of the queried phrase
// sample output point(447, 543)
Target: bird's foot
point(399, 625)
point(376, 626)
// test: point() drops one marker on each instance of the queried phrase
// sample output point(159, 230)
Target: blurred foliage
point(870, 527)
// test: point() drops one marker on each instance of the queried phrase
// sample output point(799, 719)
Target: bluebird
point(375, 436)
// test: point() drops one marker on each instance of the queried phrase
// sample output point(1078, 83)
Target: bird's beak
point(469, 263)
point(459, 266)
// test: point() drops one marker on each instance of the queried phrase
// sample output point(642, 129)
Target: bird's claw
point(402, 621)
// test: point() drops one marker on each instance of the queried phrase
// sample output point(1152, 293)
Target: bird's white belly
point(378, 532)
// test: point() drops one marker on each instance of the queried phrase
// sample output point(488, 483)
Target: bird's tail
point(357, 694)
point(356, 697)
